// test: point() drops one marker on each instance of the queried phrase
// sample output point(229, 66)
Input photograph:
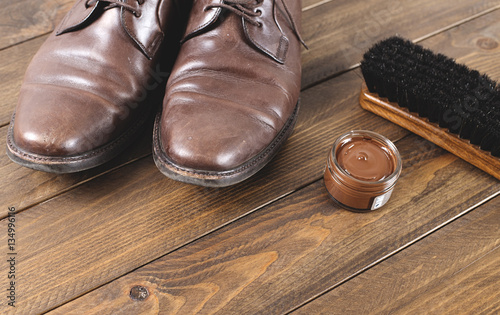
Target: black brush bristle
point(491, 141)
point(434, 86)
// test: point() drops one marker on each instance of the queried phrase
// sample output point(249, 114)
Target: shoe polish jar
point(362, 170)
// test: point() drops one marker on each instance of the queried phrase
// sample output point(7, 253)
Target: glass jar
point(362, 170)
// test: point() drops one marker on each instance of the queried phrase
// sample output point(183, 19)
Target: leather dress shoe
point(232, 98)
point(82, 100)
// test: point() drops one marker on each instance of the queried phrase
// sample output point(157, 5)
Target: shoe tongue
point(268, 37)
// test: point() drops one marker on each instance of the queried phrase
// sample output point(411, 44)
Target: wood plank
point(456, 270)
point(337, 33)
point(140, 200)
point(339, 38)
point(33, 186)
point(277, 258)
point(22, 187)
point(479, 49)
point(26, 19)
point(322, 106)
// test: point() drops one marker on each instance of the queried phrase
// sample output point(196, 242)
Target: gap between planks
point(270, 202)
point(352, 67)
point(417, 40)
point(275, 200)
point(22, 42)
point(71, 187)
point(398, 250)
point(46, 33)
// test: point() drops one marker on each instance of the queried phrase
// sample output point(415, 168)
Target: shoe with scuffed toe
point(232, 98)
point(83, 98)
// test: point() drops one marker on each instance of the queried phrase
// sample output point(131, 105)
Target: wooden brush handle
point(430, 131)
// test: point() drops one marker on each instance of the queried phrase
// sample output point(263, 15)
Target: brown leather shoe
point(232, 98)
point(82, 98)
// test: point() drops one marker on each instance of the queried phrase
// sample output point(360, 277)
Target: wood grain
point(22, 187)
point(138, 199)
point(478, 48)
point(321, 107)
point(23, 20)
point(33, 186)
point(275, 259)
point(87, 236)
point(430, 131)
point(337, 33)
point(339, 39)
point(456, 270)
point(26, 19)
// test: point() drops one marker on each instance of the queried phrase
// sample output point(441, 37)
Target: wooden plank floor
point(275, 243)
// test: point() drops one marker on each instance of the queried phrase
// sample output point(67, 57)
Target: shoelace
point(117, 3)
point(246, 9)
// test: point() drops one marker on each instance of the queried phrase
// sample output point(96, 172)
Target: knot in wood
point(487, 43)
point(139, 293)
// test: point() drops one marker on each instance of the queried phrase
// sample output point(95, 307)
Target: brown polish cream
point(362, 170)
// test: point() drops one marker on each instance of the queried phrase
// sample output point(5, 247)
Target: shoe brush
point(431, 95)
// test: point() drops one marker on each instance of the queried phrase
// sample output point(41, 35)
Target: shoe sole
point(74, 163)
point(219, 178)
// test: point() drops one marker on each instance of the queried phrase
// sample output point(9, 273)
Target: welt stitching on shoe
point(253, 161)
point(68, 159)
point(122, 138)
point(240, 169)
point(75, 158)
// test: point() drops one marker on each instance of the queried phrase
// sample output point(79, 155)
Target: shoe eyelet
point(258, 12)
point(137, 14)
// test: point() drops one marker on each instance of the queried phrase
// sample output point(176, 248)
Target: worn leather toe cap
point(204, 130)
point(64, 123)
point(212, 140)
